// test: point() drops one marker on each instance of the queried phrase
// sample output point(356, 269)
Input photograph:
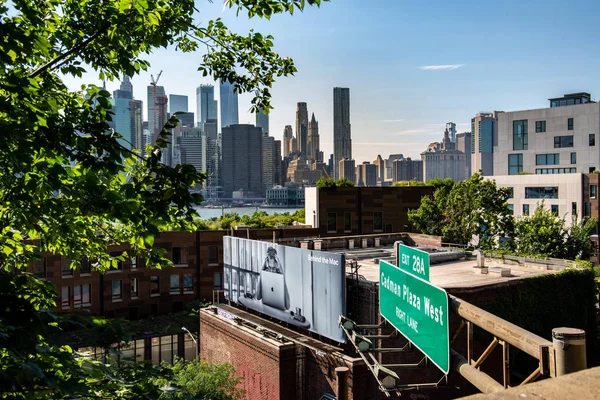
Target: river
point(208, 213)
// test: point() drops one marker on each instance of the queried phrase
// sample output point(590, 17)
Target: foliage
point(410, 183)
point(325, 182)
point(258, 220)
point(67, 184)
point(199, 378)
point(549, 235)
point(343, 182)
point(460, 210)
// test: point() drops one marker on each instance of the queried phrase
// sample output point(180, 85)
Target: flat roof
point(448, 274)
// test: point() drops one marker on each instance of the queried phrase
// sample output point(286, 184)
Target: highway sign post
point(413, 261)
point(418, 309)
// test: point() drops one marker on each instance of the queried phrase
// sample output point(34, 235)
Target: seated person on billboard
point(272, 288)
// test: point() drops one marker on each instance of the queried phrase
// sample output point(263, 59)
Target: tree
point(325, 182)
point(343, 182)
point(67, 185)
point(458, 211)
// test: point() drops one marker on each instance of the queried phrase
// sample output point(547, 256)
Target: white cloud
point(441, 67)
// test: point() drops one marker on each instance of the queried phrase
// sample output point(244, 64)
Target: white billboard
point(305, 288)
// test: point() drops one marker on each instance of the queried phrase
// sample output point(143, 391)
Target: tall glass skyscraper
point(342, 138)
point(177, 103)
point(206, 106)
point(262, 121)
point(229, 105)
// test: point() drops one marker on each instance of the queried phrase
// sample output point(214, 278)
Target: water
point(208, 213)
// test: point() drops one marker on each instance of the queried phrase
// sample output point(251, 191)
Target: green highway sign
point(413, 261)
point(418, 309)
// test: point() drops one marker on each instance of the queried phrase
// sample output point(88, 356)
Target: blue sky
point(506, 55)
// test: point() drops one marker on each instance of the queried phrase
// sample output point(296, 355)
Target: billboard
point(301, 287)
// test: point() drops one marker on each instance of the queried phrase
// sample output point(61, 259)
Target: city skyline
point(403, 91)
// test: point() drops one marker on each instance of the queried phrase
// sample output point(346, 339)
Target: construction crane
point(155, 117)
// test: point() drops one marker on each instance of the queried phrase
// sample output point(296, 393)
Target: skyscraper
point(380, 163)
point(193, 149)
point(268, 162)
point(242, 167)
point(288, 137)
point(484, 128)
point(157, 110)
point(451, 128)
point(302, 128)
point(347, 170)
point(463, 143)
point(122, 113)
point(229, 105)
point(177, 103)
point(206, 106)
point(342, 140)
point(277, 161)
point(262, 121)
point(135, 114)
point(313, 139)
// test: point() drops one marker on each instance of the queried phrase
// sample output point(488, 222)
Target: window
point(39, 268)
point(213, 254)
point(540, 126)
point(65, 267)
point(573, 158)
point(511, 207)
point(65, 297)
point(180, 256)
point(570, 124)
point(377, 221)
point(86, 266)
point(588, 209)
point(563, 141)
point(154, 286)
point(592, 139)
point(520, 139)
point(117, 262)
point(525, 209)
point(591, 170)
point(134, 288)
point(547, 159)
point(593, 190)
point(546, 171)
point(515, 164)
point(347, 222)
point(188, 282)
point(81, 295)
point(134, 262)
point(554, 208)
point(511, 192)
point(175, 288)
point(331, 222)
point(550, 192)
point(217, 281)
point(573, 208)
point(117, 290)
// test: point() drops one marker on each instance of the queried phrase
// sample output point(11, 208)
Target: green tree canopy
point(343, 182)
point(67, 184)
point(325, 182)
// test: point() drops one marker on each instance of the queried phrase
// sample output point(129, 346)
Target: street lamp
point(186, 330)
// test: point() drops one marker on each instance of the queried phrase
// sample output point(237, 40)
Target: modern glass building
point(229, 105)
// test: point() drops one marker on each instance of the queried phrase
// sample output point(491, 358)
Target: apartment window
point(86, 266)
point(134, 288)
point(81, 295)
point(525, 209)
point(554, 208)
point(592, 139)
point(588, 209)
point(347, 222)
point(570, 124)
point(550, 192)
point(213, 254)
point(563, 141)
point(574, 208)
point(117, 262)
point(180, 256)
point(593, 190)
point(540, 126)
point(549, 171)
point(39, 268)
point(134, 262)
point(377, 221)
point(65, 267)
point(331, 222)
point(188, 282)
point(65, 297)
point(547, 159)
point(511, 207)
point(515, 164)
point(511, 192)
point(520, 139)
point(117, 290)
point(217, 280)
point(154, 286)
point(573, 158)
point(175, 288)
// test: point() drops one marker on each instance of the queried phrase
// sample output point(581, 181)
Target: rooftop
point(446, 274)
